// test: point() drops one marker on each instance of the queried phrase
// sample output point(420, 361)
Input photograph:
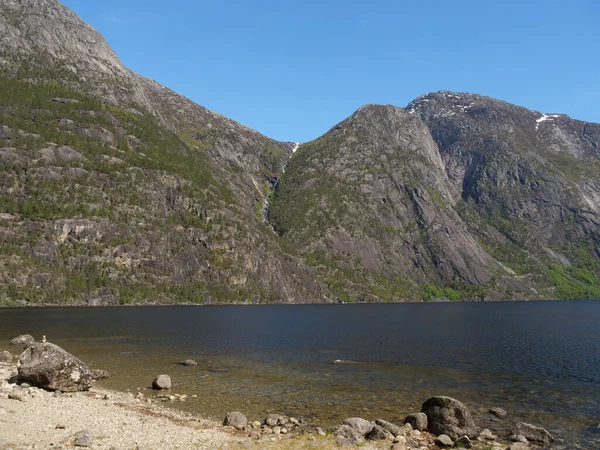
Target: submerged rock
point(50, 367)
point(188, 363)
point(449, 416)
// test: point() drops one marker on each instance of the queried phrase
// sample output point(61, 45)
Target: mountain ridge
point(118, 190)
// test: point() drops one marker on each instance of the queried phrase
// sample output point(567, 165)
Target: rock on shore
point(50, 367)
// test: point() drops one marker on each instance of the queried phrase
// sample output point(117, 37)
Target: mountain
point(456, 196)
point(117, 190)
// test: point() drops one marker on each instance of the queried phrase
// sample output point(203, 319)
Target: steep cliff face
point(526, 182)
point(458, 195)
point(372, 196)
point(116, 189)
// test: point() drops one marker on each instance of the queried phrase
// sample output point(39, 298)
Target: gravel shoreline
point(42, 419)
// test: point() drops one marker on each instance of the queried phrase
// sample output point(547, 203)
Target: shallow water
point(538, 360)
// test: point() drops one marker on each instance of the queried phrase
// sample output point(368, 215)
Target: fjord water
point(539, 360)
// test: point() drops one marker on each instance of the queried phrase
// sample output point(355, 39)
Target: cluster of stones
point(272, 427)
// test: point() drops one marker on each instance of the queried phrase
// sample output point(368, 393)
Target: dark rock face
point(448, 416)
point(533, 433)
point(50, 367)
point(25, 340)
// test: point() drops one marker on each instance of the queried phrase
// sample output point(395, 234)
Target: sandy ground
point(46, 420)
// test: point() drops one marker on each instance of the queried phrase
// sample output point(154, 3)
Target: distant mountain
point(116, 190)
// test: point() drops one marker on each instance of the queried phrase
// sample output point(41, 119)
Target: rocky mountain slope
point(456, 196)
point(115, 189)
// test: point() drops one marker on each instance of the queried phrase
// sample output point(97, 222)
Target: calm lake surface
point(538, 360)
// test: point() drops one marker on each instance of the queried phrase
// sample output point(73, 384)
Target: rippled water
point(539, 360)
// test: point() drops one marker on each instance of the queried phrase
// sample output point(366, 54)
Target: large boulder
point(446, 415)
point(50, 367)
point(25, 340)
point(533, 433)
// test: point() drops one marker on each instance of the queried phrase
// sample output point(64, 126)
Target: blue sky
point(292, 70)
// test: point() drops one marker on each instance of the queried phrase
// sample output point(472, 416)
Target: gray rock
point(25, 340)
point(518, 446)
point(188, 363)
point(362, 426)
point(443, 441)
point(447, 415)
point(272, 420)
point(518, 438)
point(418, 421)
point(50, 367)
point(463, 442)
point(498, 412)
point(99, 374)
point(5, 132)
point(161, 382)
point(17, 394)
point(533, 433)
point(83, 438)
point(394, 429)
point(6, 356)
point(487, 435)
point(61, 154)
point(378, 433)
point(235, 419)
point(346, 435)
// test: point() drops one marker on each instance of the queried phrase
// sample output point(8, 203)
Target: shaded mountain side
point(527, 185)
point(369, 204)
point(116, 189)
point(459, 196)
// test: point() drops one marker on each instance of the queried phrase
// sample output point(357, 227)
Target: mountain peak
point(48, 31)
